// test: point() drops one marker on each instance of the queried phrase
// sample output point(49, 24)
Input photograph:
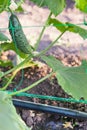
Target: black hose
point(50, 109)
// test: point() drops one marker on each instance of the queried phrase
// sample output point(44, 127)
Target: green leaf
point(69, 27)
point(76, 29)
point(59, 25)
point(72, 79)
point(3, 4)
point(3, 37)
point(19, 9)
point(82, 5)
point(10, 119)
point(55, 6)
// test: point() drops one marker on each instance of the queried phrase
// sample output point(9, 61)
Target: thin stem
point(31, 86)
point(10, 10)
point(43, 29)
point(18, 66)
point(10, 80)
point(52, 43)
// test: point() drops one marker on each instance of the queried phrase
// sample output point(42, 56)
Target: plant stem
point(16, 67)
point(10, 10)
point(10, 80)
point(30, 56)
point(32, 85)
point(43, 29)
point(51, 44)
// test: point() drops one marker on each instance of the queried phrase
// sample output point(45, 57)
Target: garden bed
point(46, 121)
point(70, 50)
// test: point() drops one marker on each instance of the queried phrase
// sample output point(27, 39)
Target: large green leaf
point(55, 6)
point(76, 29)
point(59, 25)
point(82, 5)
point(69, 27)
point(9, 120)
point(72, 79)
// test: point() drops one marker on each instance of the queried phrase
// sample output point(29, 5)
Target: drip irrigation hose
point(50, 109)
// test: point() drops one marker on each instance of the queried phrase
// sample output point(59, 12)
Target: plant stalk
point(10, 80)
point(32, 85)
point(51, 44)
point(16, 67)
point(41, 34)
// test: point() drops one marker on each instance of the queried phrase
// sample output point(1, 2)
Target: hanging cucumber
point(18, 35)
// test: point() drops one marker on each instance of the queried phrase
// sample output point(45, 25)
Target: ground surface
point(70, 50)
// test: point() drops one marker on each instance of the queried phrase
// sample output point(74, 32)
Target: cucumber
point(18, 35)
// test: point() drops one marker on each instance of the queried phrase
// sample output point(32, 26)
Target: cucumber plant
point(19, 38)
point(72, 79)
